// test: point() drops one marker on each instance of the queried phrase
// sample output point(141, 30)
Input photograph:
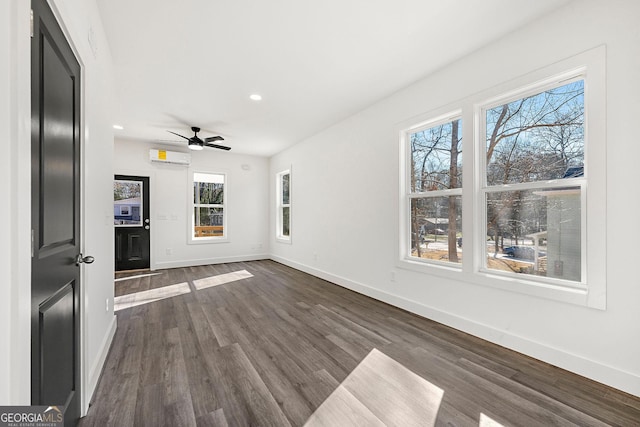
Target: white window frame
point(280, 205)
point(192, 205)
point(591, 291)
point(485, 189)
point(406, 138)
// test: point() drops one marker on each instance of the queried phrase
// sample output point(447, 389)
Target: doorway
point(131, 222)
point(55, 218)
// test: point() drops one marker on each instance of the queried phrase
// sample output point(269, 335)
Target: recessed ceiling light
point(118, 127)
point(255, 97)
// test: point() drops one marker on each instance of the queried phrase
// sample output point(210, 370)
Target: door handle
point(84, 259)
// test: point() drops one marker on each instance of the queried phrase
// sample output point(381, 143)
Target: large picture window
point(283, 223)
point(533, 204)
point(208, 208)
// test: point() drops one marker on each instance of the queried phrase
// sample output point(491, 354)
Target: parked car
point(522, 252)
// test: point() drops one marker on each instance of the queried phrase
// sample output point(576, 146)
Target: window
point(436, 190)
point(127, 207)
point(530, 196)
point(208, 211)
point(283, 225)
point(534, 183)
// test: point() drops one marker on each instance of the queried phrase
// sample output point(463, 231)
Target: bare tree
point(535, 138)
point(453, 183)
point(435, 157)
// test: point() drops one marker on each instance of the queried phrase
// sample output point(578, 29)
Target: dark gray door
point(131, 221)
point(55, 217)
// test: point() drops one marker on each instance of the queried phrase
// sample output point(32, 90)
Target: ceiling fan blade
point(214, 138)
point(181, 136)
point(221, 147)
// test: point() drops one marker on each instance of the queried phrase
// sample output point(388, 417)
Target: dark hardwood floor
point(261, 344)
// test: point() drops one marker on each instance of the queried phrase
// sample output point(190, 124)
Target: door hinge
point(32, 243)
point(31, 23)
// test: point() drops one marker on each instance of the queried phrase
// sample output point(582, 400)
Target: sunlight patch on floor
point(380, 392)
point(221, 279)
point(145, 297)
point(486, 421)
point(137, 276)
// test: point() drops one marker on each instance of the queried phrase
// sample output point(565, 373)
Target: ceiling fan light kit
point(195, 146)
point(195, 143)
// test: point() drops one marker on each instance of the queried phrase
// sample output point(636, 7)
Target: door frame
point(146, 196)
point(18, 162)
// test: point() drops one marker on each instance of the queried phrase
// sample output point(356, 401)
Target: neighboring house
point(434, 226)
point(564, 260)
point(540, 258)
point(126, 211)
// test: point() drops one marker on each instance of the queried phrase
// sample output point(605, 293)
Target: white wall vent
point(164, 156)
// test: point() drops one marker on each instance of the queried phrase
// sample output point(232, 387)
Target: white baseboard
point(96, 367)
point(613, 377)
point(207, 261)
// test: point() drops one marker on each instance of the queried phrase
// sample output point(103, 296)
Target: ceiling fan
point(195, 143)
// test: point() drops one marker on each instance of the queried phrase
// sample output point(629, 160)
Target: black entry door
point(131, 221)
point(55, 217)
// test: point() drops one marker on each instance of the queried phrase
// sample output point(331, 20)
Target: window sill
point(285, 240)
point(570, 295)
point(208, 240)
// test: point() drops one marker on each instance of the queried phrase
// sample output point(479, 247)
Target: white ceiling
point(195, 62)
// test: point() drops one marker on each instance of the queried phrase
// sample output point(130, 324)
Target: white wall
point(345, 184)
point(246, 195)
point(5, 191)
point(80, 21)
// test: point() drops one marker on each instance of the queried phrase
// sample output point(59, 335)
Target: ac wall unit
point(173, 157)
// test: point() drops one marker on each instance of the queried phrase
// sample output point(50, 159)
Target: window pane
point(285, 189)
point(540, 137)
point(285, 221)
point(208, 177)
point(535, 232)
point(127, 196)
point(436, 157)
point(436, 228)
point(208, 193)
point(208, 222)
